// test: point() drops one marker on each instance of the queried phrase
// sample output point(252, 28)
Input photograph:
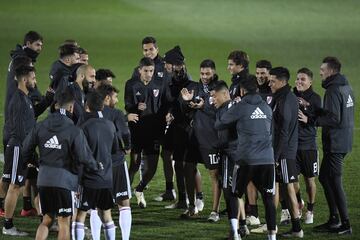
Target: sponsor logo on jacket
point(53, 142)
point(258, 114)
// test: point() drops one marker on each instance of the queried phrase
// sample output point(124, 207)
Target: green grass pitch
point(289, 33)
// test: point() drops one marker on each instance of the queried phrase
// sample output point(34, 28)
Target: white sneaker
point(252, 220)
point(262, 229)
point(292, 234)
point(285, 217)
point(309, 217)
point(199, 203)
point(14, 232)
point(140, 199)
point(214, 217)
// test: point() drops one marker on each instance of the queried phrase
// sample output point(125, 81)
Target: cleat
point(199, 203)
point(189, 213)
point(140, 199)
point(329, 226)
point(343, 230)
point(14, 232)
point(285, 218)
point(169, 195)
point(292, 234)
point(243, 231)
point(28, 213)
point(214, 217)
point(262, 229)
point(309, 217)
point(177, 205)
point(252, 221)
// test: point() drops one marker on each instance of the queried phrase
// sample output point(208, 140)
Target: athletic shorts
point(227, 169)
point(307, 163)
point(32, 172)
point(210, 158)
point(90, 198)
point(121, 183)
point(14, 169)
point(286, 171)
point(263, 177)
point(56, 201)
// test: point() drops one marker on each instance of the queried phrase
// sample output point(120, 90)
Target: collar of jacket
point(264, 88)
point(305, 94)
point(236, 78)
point(281, 92)
point(97, 114)
point(64, 112)
point(336, 79)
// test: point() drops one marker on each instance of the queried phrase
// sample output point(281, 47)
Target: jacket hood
point(336, 79)
point(24, 51)
point(58, 121)
point(252, 99)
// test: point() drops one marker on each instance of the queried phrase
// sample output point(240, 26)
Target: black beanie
point(174, 56)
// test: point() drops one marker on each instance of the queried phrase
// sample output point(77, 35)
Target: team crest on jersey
point(160, 74)
point(268, 99)
point(156, 92)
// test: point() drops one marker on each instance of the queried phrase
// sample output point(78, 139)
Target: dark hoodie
point(62, 147)
point(307, 131)
point(337, 115)
point(235, 81)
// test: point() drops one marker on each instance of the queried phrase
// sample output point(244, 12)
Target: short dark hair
point(249, 84)
point(64, 97)
point(145, 62)
point(103, 74)
point(67, 50)
point(23, 70)
point(94, 101)
point(20, 61)
point(264, 64)
point(149, 39)
point(306, 71)
point(106, 90)
point(208, 63)
point(220, 85)
point(281, 73)
point(333, 63)
point(32, 36)
point(240, 58)
point(71, 41)
point(82, 50)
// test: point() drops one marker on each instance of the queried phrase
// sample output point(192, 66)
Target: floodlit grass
point(289, 33)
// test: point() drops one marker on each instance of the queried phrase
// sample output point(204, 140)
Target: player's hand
point(198, 105)
point(142, 106)
point(186, 95)
point(302, 117)
point(169, 118)
point(133, 117)
point(303, 102)
point(237, 99)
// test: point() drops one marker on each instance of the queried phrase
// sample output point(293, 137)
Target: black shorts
point(14, 169)
point(56, 201)
point(32, 172)
point(307, 163)
point(263, 177)
point(95, 198)
point(227, 169)
point(286, 171)
point(121, 183)
point(210, 158)
point(146, 135)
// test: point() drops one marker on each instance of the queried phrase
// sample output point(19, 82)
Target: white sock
point(73, 226)
point(109, 230)
point(272, 237)
point(234, 224)
point(95, 225)
point(125, 220)
point(79, 231)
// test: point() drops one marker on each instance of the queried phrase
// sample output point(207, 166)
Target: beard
point(30, 87)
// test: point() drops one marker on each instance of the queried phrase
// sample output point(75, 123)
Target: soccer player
point(285, 142)
point(145, 97)
point(263, 68)
point(337, 120)
point(62, 146)
point(21, 119)
point(238, 66)
point(307, 154)
point(104, 76)
point(96, 192)
point(254, 153)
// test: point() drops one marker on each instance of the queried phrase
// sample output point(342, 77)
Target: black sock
point(334, 218)
point(182, 196)
point(283, 204)
point(254, 210)
point(27, 203)
point(8, 223)
point(199, 195)
point(296, 225)
point(310, 206)
point(298, 196)
point(242, 222)
point(169, 186)
point(140, 187)
point(2, 203)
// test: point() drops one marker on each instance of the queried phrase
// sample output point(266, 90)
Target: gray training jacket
point(253, 124)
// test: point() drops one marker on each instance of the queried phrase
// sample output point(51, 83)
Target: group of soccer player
point(255, 137)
